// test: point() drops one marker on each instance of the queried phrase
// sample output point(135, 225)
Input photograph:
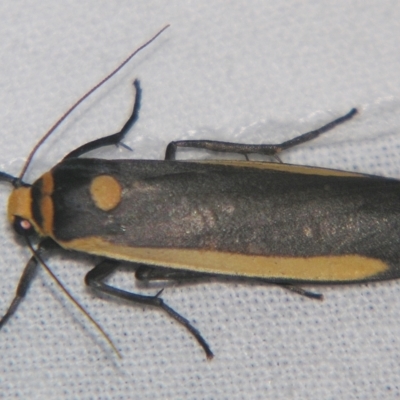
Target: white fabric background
point(250, 71)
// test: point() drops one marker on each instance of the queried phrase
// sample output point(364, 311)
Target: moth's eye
point(23, 226)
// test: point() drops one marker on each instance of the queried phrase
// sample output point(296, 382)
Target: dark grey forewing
point(225, 208)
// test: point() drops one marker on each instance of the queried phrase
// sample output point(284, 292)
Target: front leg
point(26, 279)
point(116, 137)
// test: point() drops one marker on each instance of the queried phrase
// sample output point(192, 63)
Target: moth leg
point(116, 137)
point(25, 281)
point(301, 291)
point(150, 273)
point(23, 285)
point(245, 149)
point(95, 277)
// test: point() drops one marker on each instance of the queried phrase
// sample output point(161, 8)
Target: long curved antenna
point(45, 137)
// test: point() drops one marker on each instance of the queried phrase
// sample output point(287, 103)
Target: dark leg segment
point(23, 286)
point(25, 281)
point(95, 278)
point(150, 273)
point(245, 149)
point(301, 291)
point(116, 137)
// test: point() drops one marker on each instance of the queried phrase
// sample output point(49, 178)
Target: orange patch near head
point(106, 192)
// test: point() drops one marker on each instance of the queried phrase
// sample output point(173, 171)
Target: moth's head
point(19, 211)
point(30, 207)
point(20, 205)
